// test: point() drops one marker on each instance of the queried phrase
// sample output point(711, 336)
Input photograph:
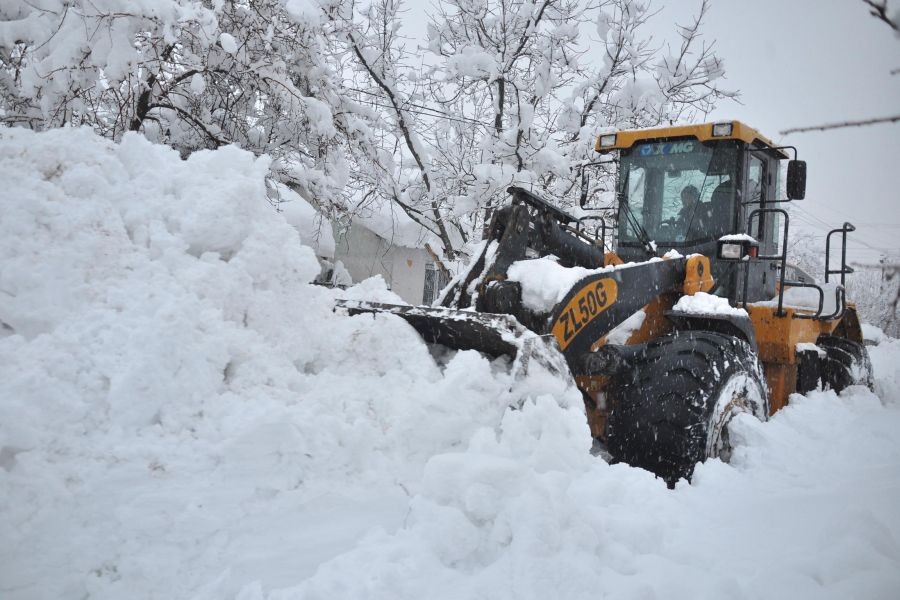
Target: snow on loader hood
point(183, 416)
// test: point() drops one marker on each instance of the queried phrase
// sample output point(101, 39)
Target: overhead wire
point(812, 220)
point(830, 226)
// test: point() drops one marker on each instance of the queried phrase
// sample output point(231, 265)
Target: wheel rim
point(740, 394)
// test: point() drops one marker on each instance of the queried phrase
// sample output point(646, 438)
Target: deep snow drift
point(183, 416)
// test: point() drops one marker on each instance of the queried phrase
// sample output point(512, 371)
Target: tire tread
point(660, 417)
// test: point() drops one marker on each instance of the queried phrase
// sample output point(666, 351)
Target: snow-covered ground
point(183, 416)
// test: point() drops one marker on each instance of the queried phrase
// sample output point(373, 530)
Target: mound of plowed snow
point(182, 415)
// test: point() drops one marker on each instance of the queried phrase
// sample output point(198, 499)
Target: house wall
point(365, 254)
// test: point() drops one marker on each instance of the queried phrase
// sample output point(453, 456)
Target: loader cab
point(683, 188)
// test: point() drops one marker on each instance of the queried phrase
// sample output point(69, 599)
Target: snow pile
point(886, 365)
point(739, 237)
point(622, 332)
point(702, 303)
point(807, 298)
point(872, 334)
point(804, 297)
point(175, 398)
point(806, 509)
point(809, 347)
point(183, 416)
point(545, 282)
point(796, 511)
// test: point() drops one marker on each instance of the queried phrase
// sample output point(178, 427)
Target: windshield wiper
point(702, 187)
point(643, 237)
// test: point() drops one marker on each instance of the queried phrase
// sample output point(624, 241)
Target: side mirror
point(796, 179)
point(585, 187)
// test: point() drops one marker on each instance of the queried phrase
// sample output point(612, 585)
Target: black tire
point(672, 410)
point(846, 363)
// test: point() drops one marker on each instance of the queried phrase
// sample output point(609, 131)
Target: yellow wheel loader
point(689, 321)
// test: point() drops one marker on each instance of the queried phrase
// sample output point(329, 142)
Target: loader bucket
point(492, 334)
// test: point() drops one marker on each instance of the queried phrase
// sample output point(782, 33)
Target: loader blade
point(492, 334)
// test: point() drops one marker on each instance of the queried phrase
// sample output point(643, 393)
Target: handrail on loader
point(840, 293)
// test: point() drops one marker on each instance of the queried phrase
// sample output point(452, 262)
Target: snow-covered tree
point(510, 92)
point(357, 118)
point(875, 288)
point(394, 163)
point(542, 78)
point(194, 75)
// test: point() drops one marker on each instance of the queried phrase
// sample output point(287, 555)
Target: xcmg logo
point(666, 148)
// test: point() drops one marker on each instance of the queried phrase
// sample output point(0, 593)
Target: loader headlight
point(737, 247)
point(722, 129)
point(731, 251)
point(608, 140)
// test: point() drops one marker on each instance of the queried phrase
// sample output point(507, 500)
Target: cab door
point(759, 186)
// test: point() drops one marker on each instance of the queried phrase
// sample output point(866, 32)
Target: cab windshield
point(677, 192)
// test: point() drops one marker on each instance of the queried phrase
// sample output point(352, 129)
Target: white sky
point(808, 62)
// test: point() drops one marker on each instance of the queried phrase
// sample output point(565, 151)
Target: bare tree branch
point(841, 125)
point(879, 11)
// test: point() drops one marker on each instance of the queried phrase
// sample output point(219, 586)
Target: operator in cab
point(693, 218)
point(690, 197)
